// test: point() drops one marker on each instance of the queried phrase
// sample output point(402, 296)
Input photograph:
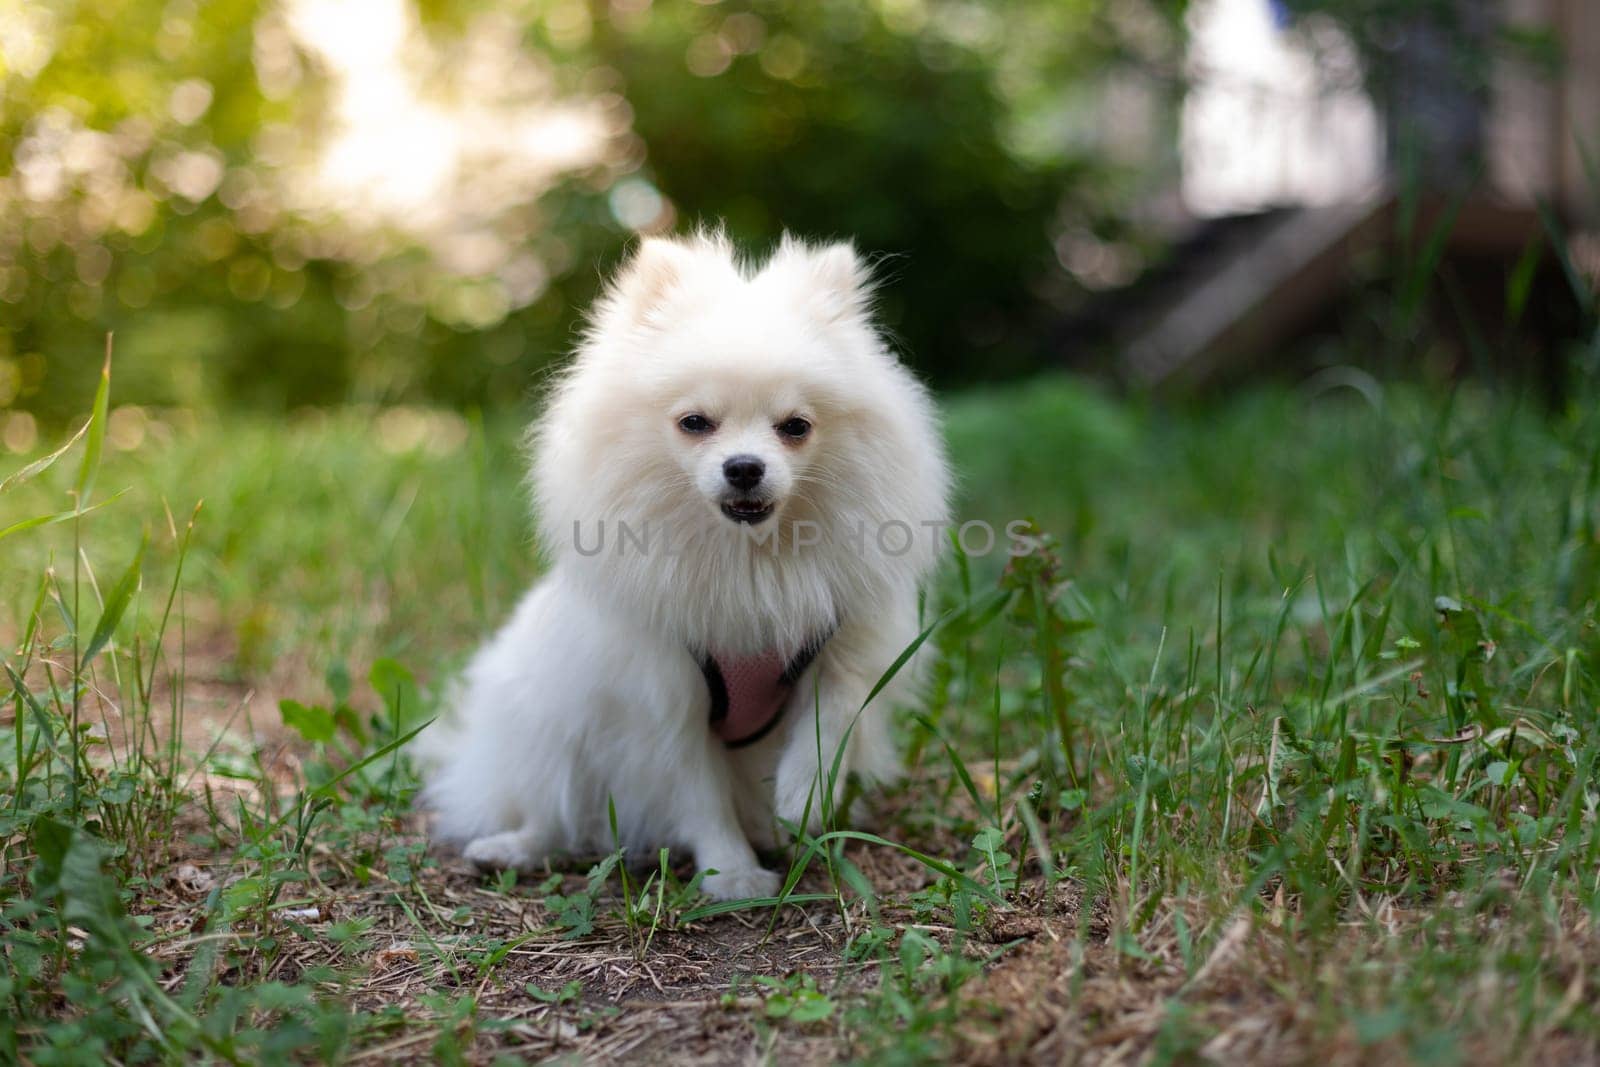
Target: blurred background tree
point(276, 203)
point(1430, 66)
point(215, 182)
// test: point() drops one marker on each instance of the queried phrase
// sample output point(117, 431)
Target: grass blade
point(116, 605)
point(97, 431)
point(60, 516)
point(39, 466)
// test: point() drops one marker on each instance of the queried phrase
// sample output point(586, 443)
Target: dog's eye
point(696, 424)
point(794, 429)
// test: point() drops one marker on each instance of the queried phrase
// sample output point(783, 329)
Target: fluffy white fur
point(591, 691)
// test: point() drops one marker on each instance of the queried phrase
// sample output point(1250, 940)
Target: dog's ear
point(657, 269)
point(662, 270)
point(832, 279)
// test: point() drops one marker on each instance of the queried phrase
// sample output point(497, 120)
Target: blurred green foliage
point(904, 126)
point(153, 166)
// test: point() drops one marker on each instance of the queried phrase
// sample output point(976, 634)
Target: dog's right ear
point(659, 272)
point(649, 279)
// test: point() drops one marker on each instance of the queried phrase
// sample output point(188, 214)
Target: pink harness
point(749, 693)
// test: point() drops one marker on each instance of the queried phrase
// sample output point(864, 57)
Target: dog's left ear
point(832, 278)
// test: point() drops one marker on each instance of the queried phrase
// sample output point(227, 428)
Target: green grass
point(1285, 748)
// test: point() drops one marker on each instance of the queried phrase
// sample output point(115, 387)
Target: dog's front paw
point(762, 832)
point(797, 799)
point(741, 884)
point(795, 802)
point(512, 850)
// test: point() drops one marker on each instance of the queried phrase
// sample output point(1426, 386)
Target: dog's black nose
point(743, 472)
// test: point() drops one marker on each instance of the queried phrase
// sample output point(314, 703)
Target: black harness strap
point(717, 686)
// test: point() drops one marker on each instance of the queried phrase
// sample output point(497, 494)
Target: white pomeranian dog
point(740, 490)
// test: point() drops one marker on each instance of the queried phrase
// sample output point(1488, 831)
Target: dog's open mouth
point(750, 511)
